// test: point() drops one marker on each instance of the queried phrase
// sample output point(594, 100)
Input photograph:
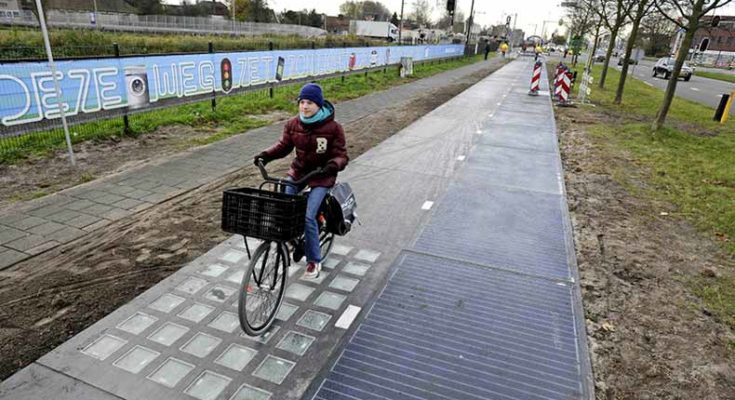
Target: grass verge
point(716, 75)
point(690, 163)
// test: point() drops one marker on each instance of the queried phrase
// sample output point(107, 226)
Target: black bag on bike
point(340, 206)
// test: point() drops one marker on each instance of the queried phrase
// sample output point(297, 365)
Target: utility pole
point(57, 86)
point(233, 16)
point(470, 21)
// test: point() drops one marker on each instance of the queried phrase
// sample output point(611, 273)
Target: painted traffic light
point(226, 75)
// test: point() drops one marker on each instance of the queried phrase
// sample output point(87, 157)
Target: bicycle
point(276, 218)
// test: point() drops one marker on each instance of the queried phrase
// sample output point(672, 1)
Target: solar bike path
point(484, 303)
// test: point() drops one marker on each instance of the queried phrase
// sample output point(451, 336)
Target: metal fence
point(160, 24)
point(47, 134)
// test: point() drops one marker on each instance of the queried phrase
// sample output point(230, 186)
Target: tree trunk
point(591, 60)
point(681, 56)
point(629, 50)
point(608, 55)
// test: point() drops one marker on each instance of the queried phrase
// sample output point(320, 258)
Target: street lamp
point(470, 21)
point(57, 86)
point(543, 27)
point(400, 25)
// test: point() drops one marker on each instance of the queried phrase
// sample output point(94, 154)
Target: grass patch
point(716, 75)
point(234, 114)
point(28, 196)
point(689, 163)
point(719, 296)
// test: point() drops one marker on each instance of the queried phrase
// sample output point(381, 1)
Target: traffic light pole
point(451, 5)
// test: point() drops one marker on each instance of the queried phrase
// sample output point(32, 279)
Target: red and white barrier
point(565, 86)
point(535, 79)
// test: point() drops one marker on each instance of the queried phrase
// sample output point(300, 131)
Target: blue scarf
point(320, 115)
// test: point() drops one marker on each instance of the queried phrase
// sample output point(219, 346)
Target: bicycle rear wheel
point(262, 288)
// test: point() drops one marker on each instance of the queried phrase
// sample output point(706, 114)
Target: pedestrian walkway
point(465, 242)
point(39, 225)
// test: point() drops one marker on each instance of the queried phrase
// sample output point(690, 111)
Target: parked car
point(599, 57)
point(665, 67)
point(630, 61)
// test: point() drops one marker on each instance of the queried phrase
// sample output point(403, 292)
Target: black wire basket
point(263, 214)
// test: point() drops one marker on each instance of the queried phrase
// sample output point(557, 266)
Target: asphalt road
point(702, 90)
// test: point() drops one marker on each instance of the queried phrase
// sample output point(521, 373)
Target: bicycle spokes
point(264, 287)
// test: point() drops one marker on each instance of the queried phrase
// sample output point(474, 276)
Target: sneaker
point(312, 270)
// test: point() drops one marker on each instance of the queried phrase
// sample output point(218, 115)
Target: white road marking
point(461, 158)
point(427, 205)
point(649, 84)
point(347, 317)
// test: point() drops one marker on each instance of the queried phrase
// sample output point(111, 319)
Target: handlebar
point(281, 181)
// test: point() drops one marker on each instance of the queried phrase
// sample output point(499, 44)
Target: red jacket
point(316, 145)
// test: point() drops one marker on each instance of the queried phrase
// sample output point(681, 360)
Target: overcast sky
point(533, 15)
point(487, 12)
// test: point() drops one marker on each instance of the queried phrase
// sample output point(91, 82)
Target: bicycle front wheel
point(262, 288)
point(326, 240)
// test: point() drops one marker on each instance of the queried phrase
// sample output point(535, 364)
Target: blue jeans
point(311, 227)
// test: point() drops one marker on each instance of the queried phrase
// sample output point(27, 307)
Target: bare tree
point(613, 14)
point(657, 31)
point(642, 8)
point(421, 12)
point(352, 9)
point(595, 24)
point(688, 15)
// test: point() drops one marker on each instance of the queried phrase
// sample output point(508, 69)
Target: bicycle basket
point(263, 214)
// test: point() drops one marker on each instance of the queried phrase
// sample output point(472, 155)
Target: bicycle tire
point(254, 319)
point(326, 240)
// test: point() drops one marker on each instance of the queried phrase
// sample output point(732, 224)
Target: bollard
point(564, 89)
point(535, 79)
point(557, 84)
point(728, 106)
point(720, 110)
point(560, 69)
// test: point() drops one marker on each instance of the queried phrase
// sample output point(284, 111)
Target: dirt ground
point(41, 176)
point(649, 336)
point(48, 299)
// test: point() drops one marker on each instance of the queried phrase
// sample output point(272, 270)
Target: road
point(702, 90)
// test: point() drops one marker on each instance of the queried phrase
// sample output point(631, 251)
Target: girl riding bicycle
point(320, 143)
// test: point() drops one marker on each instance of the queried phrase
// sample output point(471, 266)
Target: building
point(713, 45)
point(9, 9)
point(339, 25)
